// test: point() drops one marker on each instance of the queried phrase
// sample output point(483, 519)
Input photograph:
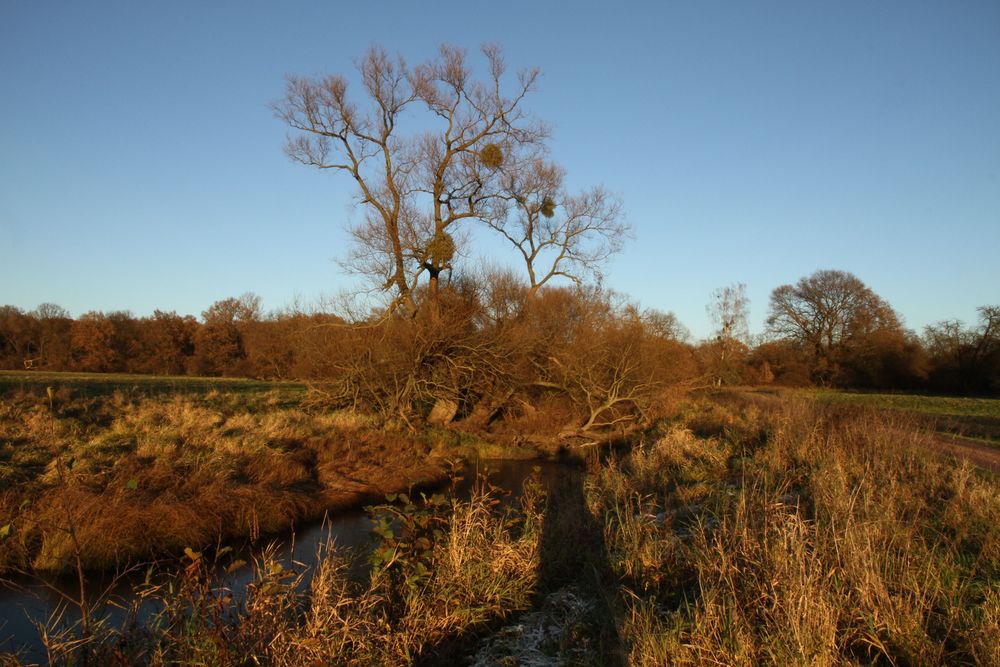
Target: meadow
point(745, 528)
point(962, 416)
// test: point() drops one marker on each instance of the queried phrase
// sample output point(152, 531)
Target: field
point(966, 418)
point(84, 385)
point(747, 528)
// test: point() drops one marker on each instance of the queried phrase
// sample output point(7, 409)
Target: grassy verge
point(971, 418)
point(794, 533)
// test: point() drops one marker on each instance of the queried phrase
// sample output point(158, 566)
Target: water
point(25, 603)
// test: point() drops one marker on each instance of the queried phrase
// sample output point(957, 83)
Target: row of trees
point(827, 329)
point(232, 338)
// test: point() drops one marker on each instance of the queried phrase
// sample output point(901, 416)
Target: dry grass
point(752, 530)
point(481, 569)
point(148, 475)
point(802, 535)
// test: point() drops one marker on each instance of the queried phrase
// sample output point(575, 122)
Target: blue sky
point(141, 168)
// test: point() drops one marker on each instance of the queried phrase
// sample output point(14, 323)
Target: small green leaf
point(132, 485)
point(4, 532)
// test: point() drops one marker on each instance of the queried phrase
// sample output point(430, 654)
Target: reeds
point(480, 568)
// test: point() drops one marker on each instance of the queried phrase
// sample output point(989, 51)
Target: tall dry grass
point(480, 569)
point(149, 475)
point(794, 534)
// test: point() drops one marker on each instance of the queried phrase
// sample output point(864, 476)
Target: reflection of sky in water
point(23, 602)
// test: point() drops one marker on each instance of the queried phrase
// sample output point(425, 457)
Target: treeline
point(233, 338)
point(494, 336)
point(830, 329)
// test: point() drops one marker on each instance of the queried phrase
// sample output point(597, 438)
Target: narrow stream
point(26, 603)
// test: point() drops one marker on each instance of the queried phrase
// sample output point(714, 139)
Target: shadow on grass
point(573, 562)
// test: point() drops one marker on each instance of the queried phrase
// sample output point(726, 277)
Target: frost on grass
point(556, 634)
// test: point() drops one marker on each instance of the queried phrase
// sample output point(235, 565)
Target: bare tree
point(827, 313)
point(603, 355)
point(415, 188)
point(966, 359)
point(729, 311)
point(556, 233)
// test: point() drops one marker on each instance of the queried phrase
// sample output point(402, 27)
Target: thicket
point(576, 359)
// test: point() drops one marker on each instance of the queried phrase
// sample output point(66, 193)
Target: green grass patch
point(944, 406)
point(974, 419)
point(101, 384)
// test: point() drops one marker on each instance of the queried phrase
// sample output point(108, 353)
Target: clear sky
point(756, 142)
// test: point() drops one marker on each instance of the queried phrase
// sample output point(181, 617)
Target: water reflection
point(25, 603)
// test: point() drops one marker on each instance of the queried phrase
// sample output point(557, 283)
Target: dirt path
point(980, 454)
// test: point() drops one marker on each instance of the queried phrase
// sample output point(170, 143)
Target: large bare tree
point(415, 187)
point(828, 313)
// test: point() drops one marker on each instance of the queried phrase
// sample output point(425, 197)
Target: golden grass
point(834, 540)
point(144, 476)
point(481, 571)
point(746, 532)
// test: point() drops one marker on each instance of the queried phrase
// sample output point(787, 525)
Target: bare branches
point(414, 187)
point(556, 233)
point(827, 312)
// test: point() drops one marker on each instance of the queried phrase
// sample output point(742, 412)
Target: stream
point(27, 602)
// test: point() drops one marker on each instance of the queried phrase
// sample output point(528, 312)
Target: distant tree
point(729, 311)
point(830, 314)
point(16, 336)
point(270, 345)
point(781, 362)
point(92, 341)
point(52, 328)
point(965, 359)
point(219, 347)
point(665, 325)
point(167, 343)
